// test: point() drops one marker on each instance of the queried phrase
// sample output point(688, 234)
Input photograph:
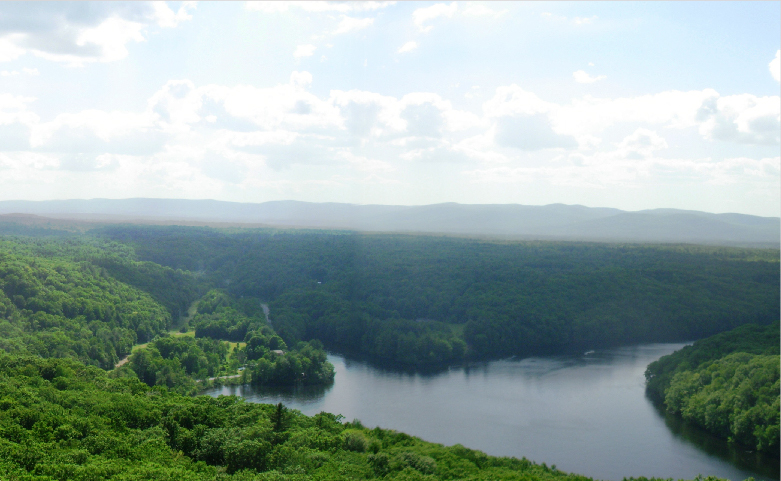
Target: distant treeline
point(727, 384)
point(419, 300)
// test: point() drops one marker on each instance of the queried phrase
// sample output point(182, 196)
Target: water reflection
point(288, 395)
point(586, 413)
point(737, 455)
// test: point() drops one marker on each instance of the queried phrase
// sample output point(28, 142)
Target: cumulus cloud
point(368, 114)
point(9, 50)
point(97, 131)
point(775, 66)
point(16, 109)
point(530, 132)
point(408, 47)
point(582, 77)
point(349, 24)
point(79, 33)
point(304, 51)
point(421, 16)
point(590, 115)
point(236, 136)
point(641, 144)
point(741, 118)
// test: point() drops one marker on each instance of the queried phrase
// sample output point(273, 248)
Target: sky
point(632, 105)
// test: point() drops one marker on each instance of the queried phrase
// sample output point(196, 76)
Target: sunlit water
point(585, 414)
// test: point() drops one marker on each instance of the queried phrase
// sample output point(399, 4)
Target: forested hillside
point(418, 300)
point(56, 303)
point(727, 384)
point(89, 299)
point(71, 304)
point(62, 420)
point(185, 362)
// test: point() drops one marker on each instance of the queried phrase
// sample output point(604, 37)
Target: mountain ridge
point(547, 222)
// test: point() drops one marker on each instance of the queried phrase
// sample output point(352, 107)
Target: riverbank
point(586, 414)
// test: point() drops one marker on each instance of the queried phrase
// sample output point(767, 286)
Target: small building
point(278, 352)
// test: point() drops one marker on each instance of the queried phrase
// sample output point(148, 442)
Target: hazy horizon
point(378, 204)
point(631, 105)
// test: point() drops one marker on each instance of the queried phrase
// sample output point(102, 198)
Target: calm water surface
point(586, 414)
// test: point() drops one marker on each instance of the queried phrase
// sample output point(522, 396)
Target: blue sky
point(633, 105)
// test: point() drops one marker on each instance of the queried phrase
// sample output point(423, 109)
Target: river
point(586, 414)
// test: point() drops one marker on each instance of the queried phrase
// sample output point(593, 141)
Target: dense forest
point(63, 420)
point(727, 384)
point(90, 300)
point(418, 301)
point(55, 303)
point(397, 300)
point(185, 306)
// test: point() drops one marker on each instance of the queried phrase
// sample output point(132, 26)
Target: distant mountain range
point(548, 222)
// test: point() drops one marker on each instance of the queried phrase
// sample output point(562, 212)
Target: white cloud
point(408, 47)
point(304, 51)
point(582, 77)
point(741, 118)
point(589, 115)
point(9, 50)
point(76, 34)
point(613, 169)
point(584, 20)
point(369, 114)
point(513, 100)
point(96, 130)
point(421, 16)
point(12, 73)
point(530, 133)
point(349, 24)
point(574, 21)
point(170, 19)
point(480, 10)
point(241, 137)
point(316, 6)
point(641, 143)
point(365, 164)
point(775, 66)
point(300, 79)
point(15, 113)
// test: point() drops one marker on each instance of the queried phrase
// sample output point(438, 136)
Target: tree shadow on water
point(739, 456)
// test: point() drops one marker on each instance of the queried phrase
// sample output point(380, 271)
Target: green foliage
point(173, 289)
point(728, 384)
point(428, 301)
point(53, 305)
point(176, 362)
point(751, 338)
point(307, 364)
point(736, 397)
point(221, 317)
point(60, 419)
